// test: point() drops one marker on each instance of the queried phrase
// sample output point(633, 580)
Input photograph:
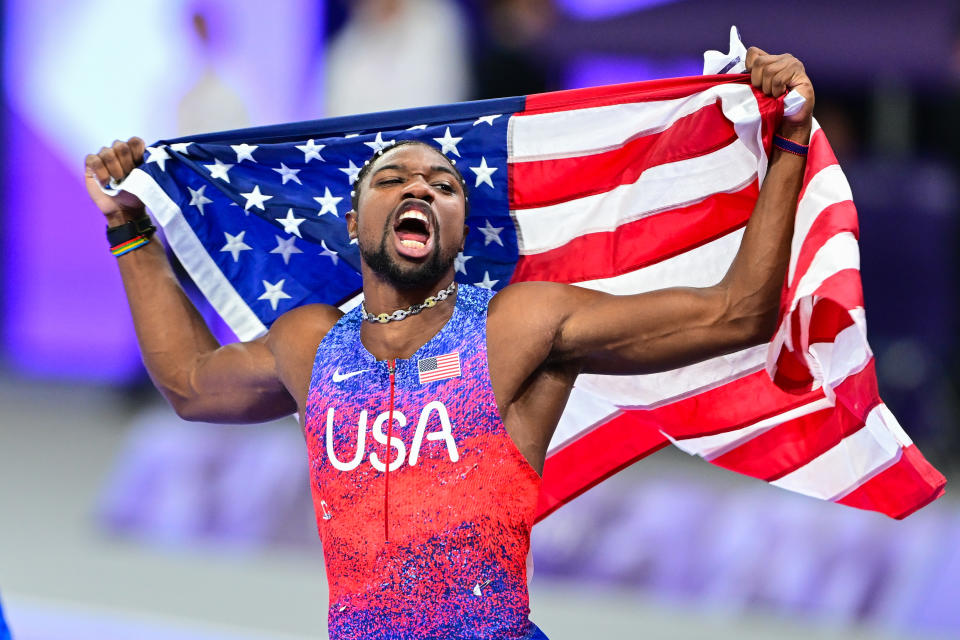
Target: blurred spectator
point(511, 61)
point(210, 105)
point(394, 54)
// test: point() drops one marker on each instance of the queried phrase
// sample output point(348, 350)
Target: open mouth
point(413, 229)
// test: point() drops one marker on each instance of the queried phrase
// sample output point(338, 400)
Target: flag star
point(158, 155)
point(255, 199)
point(328, 203)
point(449, 143)
point(244, 151)
point(488, 119)
point(198, 199)
point(291, 224)
point(311, 151)
point(379, 144)
point(329, 252)
point(483, 173)
point(486, 283)
point(219, 169)
point(417, 126)
point(460, 263)
point(181, 147)
point(235, 244)
point(491, 234)
point(288, 173)
point(273, 292)
point(352, 172)
point(286, 248)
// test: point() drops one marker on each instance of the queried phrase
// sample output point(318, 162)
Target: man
point(428, 410)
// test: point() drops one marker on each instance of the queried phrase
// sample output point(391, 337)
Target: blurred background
point(119, 521)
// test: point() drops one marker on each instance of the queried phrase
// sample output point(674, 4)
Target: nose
point(418, 187)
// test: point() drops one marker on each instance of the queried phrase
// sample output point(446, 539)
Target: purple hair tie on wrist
point(790, 146)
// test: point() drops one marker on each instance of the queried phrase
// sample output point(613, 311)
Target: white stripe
point(710, 447)
point(702, 266)
point(837, 254)
point(579, 132)
point(850, 463)
point(846, 354)
point(194, 257)
point(828, 187)
point(583, 412)
point(656, 389)
point(659, 188)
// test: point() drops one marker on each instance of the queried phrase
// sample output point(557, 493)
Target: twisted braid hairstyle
point(368, 166)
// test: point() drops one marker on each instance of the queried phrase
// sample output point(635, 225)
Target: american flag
point(624, 189)
point(439, 367)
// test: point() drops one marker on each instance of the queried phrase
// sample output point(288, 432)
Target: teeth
point(412, 244)
point(416, 215)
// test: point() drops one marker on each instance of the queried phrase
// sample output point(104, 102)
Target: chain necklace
point(412, 310)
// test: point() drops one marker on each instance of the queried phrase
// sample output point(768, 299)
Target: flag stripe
point(900, 489)
point(541, 183)
point(659, 188)
point(848, 464)
point(638, 244)
point(571, 470)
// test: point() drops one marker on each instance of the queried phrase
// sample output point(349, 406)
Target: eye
point(444, 186)
point(386, 181)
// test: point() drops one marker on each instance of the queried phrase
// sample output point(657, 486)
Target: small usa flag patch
point(439, 367)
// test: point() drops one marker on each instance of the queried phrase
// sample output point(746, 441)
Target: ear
point(352, 224)
point(463, 243)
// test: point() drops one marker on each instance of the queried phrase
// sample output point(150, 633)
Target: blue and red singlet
point(433, 544)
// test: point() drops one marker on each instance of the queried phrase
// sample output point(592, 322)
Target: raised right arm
point(236, 383)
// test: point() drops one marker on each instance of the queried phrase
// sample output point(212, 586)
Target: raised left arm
point(673, 327)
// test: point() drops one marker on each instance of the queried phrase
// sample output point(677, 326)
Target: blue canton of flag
point(259, 213)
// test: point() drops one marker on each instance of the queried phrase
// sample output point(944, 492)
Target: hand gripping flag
point(624, 189)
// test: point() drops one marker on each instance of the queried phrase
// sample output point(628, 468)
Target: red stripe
point(901, 489)
point(541, 183)
point(594, 457)
point(827, 320)
point(732, 406)
point(835, 218)
point(787, 447)
point(640, 243)
point(858, 392)
point(819, 156)
point(647, 90)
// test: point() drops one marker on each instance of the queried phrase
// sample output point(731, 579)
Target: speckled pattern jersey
point(433, 545)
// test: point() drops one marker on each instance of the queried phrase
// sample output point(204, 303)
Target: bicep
point(646, 332)
point(236, 383)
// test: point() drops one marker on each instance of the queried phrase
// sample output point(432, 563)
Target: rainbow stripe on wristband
point(129, 245)
point(790, 146)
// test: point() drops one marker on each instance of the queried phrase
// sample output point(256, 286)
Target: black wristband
point(141, 226)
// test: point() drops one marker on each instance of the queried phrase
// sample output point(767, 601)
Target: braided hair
point(368, 166)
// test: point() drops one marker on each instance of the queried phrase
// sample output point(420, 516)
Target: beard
point(424, 274)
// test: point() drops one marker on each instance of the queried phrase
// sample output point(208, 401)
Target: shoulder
point(542, 299)
point(531, 311)
point(306, 325)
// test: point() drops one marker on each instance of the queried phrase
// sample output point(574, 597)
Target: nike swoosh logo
point(338, 377)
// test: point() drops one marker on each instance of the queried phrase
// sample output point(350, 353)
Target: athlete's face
point(409, 222)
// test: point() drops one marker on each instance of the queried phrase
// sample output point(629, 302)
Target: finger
point(775, 65)
point(125, 156)
point(96, 169)
point(137, 147)
point(781, 80)
point(752, 54)
point(109, 157)
point(770, 73)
